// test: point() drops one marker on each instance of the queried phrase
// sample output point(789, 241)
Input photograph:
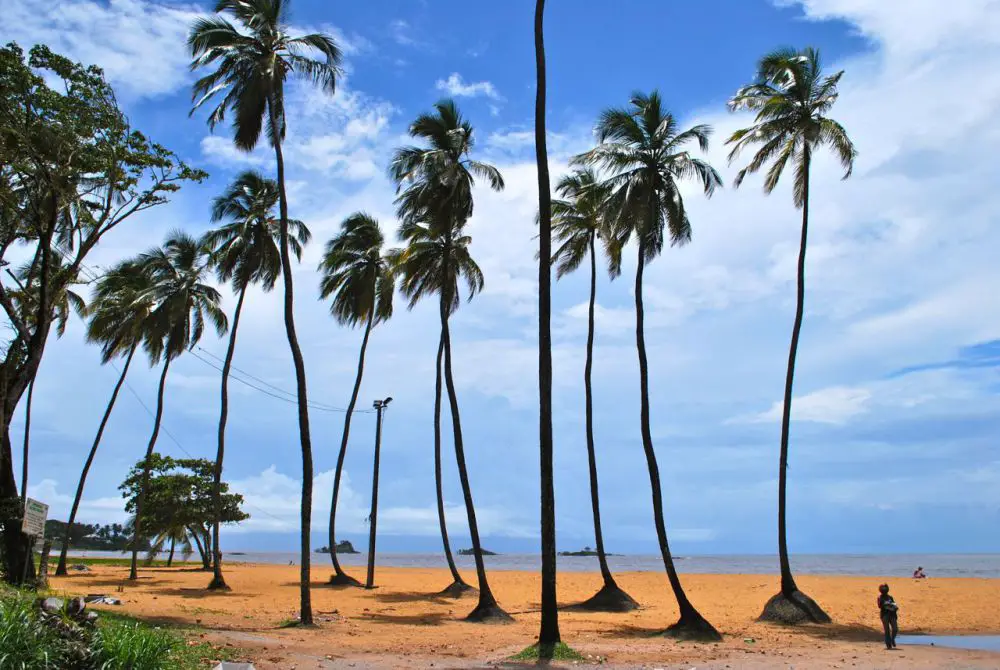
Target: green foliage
point(24, 641)
point(557, 652)
point(357, 273)
point(126, 645)
point(179, 496)
point(108, 537)
point(244, 249)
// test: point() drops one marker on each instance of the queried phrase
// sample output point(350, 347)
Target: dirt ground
point(404, 624)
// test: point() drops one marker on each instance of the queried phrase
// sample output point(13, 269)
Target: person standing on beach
point(889, 613)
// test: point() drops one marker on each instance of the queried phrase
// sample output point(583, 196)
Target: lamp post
point(379, 406)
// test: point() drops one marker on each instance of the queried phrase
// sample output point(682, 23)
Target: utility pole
point(379, 406)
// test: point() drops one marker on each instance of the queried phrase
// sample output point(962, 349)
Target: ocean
point(860, 565)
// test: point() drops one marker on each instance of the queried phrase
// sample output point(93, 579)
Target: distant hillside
point(109, 537)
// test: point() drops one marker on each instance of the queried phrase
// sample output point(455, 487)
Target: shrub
point(26, 643)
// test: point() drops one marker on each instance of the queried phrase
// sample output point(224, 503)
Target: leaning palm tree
point(646, 157)
point(122, 302)
point(435, 183)
point(252, 64)
point(791, 98)
point(244, 251)
point(177, 272)
point(579, 221)
point(360, 278)
point(435, 258)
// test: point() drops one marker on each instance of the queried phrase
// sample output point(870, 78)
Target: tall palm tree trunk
point(691, 623)
point(61, 567)
point(305, 600)
point(548, 635)
point(373, 514)
point(140, 501)
point(340, 577)
point(170, 558)
point(27, 443)
point(458, 585)
point(801, 606)
point(611, 598)
point(218, 581)
point(202, 550)
point(487, 609)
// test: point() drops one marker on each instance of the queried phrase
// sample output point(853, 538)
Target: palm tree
point(548, 635)
point(244, 251)
point(252, 66)
point(435, 200)
point(641, 148)
point(177, 272)
point(580, 219)
point(791, 98)
point(122, 302)
point(360, 278)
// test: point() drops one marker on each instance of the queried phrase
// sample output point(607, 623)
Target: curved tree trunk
point(340, 577)
point(27, 442)
point(487, 609)
point(691, 624)
point(61, 567)
point(791, 605)
point(305, 600)
point(458, 585)
point(170, 558)
point(548, 635)
point(141, 499)
point(611, 598)
point(218, 581)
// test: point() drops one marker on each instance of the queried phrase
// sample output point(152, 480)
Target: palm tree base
point(218, 584)
point(489, 613)
point(343, 579)
point(611, 598)
point(793, 608)
point(693, 626)
point(457, 589)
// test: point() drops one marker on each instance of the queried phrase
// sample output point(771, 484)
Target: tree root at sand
point(457, 589)
point(218, 584)
point(793, 608)
point(611, 598)
point(343, 579)
point(694, 627)
point(489, 613)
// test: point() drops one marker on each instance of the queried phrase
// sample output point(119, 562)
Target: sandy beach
point(404, 624)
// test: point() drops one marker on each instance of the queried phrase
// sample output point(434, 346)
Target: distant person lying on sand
point(889, 613)
point(919, 574)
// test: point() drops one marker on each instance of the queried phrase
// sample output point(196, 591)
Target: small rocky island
point(587, 551)
point(470, 552)
point(343, 547)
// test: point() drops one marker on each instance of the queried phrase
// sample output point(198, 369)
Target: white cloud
point(402, 33)
point(830, 405)
point(455, 86)
point(140, 45)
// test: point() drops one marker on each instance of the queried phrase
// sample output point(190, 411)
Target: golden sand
point(404, 621)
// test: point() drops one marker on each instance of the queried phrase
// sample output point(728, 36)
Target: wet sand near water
point(404, 624)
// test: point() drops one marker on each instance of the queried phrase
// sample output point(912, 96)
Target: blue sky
point(897, 412)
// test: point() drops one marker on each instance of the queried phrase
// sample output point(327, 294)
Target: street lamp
point(379, 406)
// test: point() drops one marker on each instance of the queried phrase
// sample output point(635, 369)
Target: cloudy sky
point(894, 442)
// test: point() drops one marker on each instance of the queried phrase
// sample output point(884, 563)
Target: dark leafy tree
point(71, 170)
point(791, 98)
point(251, 64)
point(244, 251)
point(646, 156)
point(358, 275)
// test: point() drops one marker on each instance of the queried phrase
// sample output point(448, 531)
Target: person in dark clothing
point(889, 613)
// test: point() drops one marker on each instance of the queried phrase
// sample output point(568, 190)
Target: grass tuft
point(559, 652)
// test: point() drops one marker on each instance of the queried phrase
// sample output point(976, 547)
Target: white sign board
point(35, 514)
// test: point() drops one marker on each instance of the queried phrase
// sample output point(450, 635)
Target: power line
point(181, 446)
point(292, 399)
